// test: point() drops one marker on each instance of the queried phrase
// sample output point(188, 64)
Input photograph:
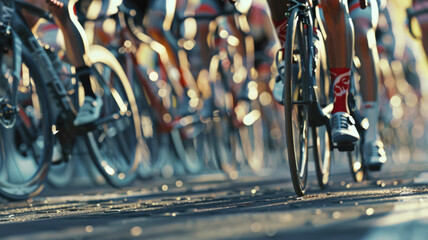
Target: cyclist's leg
point(76, 46)
point(423, 22)
point(159, 21)
point(339, 43)
point(366, 50)
point(244, 49)
point(278, 9)
point(214, 8)
point(205, 7)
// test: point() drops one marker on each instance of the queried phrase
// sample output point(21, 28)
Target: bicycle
point(307, 101)
point(113, 140)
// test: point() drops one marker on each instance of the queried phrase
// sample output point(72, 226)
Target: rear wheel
point(115, 145)
point(296, 97)
point(251, 137)
point(356, 162)
point(322, 154)
point(320, 135)
point(355, 156)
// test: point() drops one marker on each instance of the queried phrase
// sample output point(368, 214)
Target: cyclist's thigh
point(371, 13)
point(31, 19)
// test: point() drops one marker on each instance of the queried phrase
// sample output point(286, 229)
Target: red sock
point(340, 77)
point(281, 29)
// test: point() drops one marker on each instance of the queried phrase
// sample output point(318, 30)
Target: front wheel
point(116, 143)
point(26, 146)
point(296, 91)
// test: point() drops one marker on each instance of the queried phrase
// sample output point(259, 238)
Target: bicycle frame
point(65, 129)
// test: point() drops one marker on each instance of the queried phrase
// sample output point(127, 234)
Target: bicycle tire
point(296, 90)
point(149, 130)
point(28, 144)
point(187, 149)
point(321, 142)
point(116, 158)
point(355, 156)
point(223, 139)
point(251, 138)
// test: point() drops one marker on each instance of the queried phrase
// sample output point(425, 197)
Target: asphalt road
point(392, 205)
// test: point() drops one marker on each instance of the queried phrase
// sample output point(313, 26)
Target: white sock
point(371, 110)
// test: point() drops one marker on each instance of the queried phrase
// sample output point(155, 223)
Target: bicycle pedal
point(346, 147)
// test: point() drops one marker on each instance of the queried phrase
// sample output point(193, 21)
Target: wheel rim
point(296, 109)
point(322, 155)
point(118, 146)
point(356, 163)
point(25, 152)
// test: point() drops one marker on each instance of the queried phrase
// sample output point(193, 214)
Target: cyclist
point(159, 25)
point(423, 21)
point(366, 50)
point(339, 43)
point(265, 43)
point(242, 64)
point(76, 46)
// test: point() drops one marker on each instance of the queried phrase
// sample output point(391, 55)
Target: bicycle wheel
point(251, 138)
point(320, 135)
point(225, 140)
point(26, 145)
point(355, 156)
point(296, 100)
point(150, 134)
point(187, 150)
point(115, 145)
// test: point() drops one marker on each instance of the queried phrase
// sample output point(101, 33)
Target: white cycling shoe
point(278, 89)
point(89, 111)
point(343, 128)
point(374, 155)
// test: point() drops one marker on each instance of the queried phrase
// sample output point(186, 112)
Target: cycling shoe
point(374, 155)
point(278, 89)
point(89, 111)
point(343, 128)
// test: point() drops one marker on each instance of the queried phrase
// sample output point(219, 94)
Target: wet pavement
point(393, 205)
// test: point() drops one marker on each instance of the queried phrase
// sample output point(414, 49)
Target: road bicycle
point(215, 132)
point(38, 111)
point(307, 99)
